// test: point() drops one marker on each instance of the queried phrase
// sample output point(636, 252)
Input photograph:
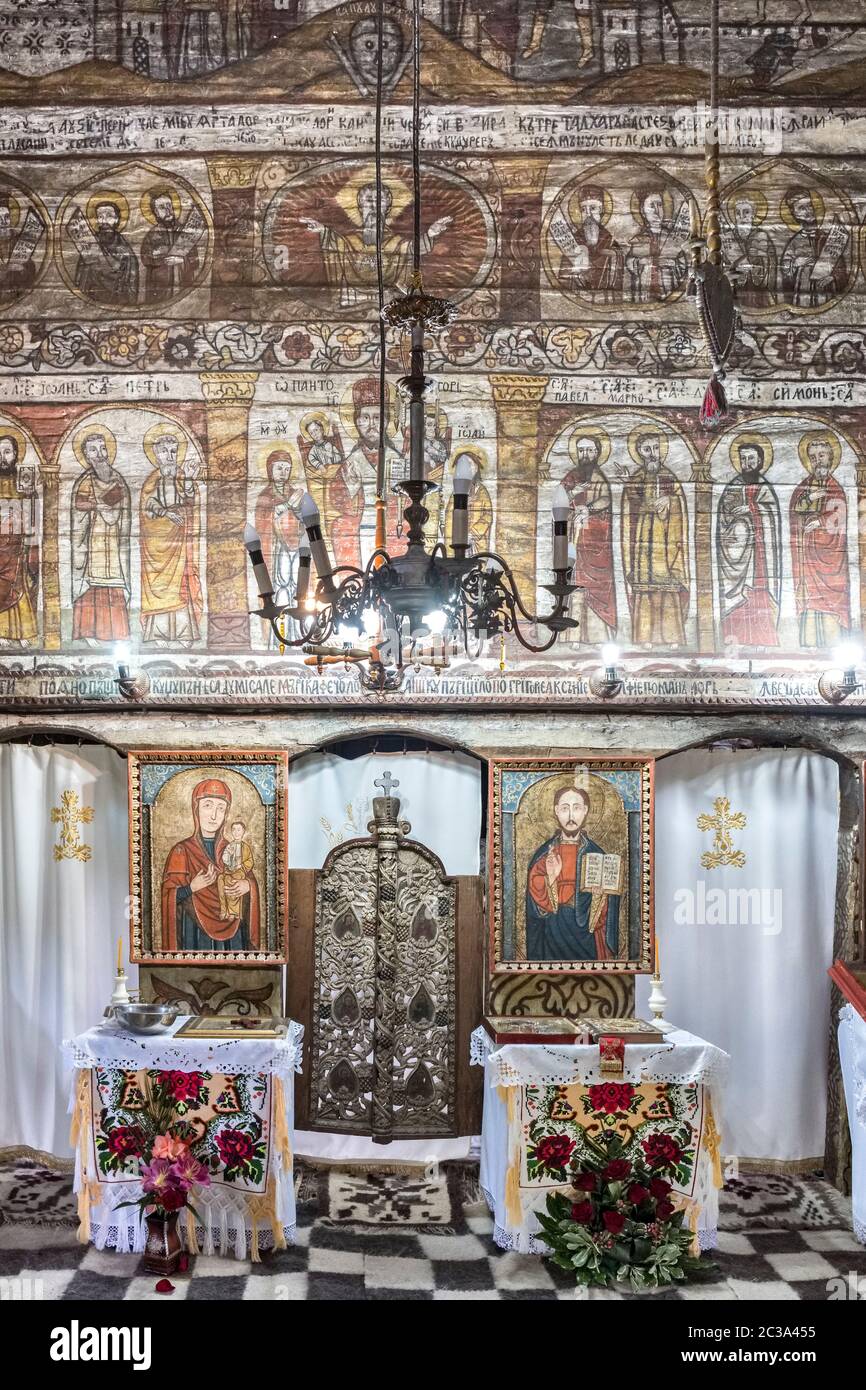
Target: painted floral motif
point(655, 1125)
point(219, 1123)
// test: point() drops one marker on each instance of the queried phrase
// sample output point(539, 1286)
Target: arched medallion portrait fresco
point(619, 235)
point(135, 237)
point(319, 235)
point(25, 239)
point(790, 238)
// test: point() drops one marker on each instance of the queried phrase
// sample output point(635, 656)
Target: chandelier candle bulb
point(253, 543)
point(460, 508)
point(303, 584)
point(313, 526)
point(561, 508)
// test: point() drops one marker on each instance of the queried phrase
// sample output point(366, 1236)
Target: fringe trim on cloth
point(23, 1151)
point(781, 1167)
point(513, 1207)
point(713, 1145)
point(79, 1132)
point(282, 1143)
point(191, 1238)
point(264, 1208)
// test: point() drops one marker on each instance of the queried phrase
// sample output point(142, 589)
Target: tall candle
point(657, 955)
point(120, 955)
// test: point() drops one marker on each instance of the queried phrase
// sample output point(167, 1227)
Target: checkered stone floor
point(333, 1261)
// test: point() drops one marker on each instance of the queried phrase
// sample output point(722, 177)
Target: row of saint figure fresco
point(133, 524)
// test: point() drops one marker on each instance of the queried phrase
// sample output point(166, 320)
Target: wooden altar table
point(542, 1100)
point(237, 1096)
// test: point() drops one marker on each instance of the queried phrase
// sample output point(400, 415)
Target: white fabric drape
point(744, 949)
point(852, 1058)
point(59, 925)
point(331, 800)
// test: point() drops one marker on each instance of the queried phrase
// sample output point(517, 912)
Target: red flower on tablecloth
point(660, 1187)
point(126, 1141)
point(637, 1193)
point(582, 1213)
point(617, 1170)
point(661, 1151)
point(184, 1087)
point(611, 1097)
point(586, 1182)
point(235, 1148)
point(554, 1152)
point(614, 1221)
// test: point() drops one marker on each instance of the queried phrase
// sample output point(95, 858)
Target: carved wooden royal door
point(385, 959)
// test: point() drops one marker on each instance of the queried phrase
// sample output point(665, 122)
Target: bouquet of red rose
point(169, 1168)
point(621, 1226)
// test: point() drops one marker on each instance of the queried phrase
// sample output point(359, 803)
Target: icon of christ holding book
point(572, 889)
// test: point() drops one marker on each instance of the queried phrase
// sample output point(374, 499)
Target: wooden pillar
point(228, 397)
point(703, 495)
point(233, 185)
point(49, 555)
point(517, 400)
point(861, 531)
point(520, 237)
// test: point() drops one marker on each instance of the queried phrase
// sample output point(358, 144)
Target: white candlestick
point(658, 1004)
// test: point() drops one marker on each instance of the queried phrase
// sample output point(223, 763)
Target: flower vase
point(162, 1248)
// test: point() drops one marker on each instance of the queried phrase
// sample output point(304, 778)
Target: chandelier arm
point(506, 579)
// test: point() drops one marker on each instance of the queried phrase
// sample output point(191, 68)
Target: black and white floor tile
point(782, 1239)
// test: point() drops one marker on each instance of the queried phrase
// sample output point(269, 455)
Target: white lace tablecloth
point(852, 1058)
point(682, 1059)
point(232, 1221)
point(109, 1045)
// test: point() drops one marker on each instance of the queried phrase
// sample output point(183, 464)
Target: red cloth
point(820, 555)
point(187, 859)
point(102, 613)
point(594, 554)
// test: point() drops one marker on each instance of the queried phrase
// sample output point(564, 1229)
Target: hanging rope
point(712, 288)
point(380, 285)
point(416, 138)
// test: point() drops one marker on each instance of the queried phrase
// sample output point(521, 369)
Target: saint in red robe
point(192, 921)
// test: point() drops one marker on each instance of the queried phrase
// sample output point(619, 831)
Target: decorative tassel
point(513, 1207)
point(191, 1241)
point(715, 403)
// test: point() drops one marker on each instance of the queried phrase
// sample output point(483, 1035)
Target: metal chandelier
point(416, 607)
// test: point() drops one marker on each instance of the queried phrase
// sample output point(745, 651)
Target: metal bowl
point(146, 1018)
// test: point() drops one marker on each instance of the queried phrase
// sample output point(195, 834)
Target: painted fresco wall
point(188, 333)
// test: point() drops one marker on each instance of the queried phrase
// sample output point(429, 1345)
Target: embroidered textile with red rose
point(234, 1125)
point(550, 1126)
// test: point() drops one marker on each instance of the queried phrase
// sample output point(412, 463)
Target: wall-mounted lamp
point(609, 684)
point(133, 685)
point(840, 680)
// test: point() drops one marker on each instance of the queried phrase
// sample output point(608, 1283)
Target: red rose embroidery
point(660, 1187)
point(127, 1141)
point(662, 1151)
point(554, 1151)
point(664, 1210)
point(611, 1097)
point(182, 1086)
point(637, 1193)
point(235, 1147)
point(614, 1221)
point(582, 1213)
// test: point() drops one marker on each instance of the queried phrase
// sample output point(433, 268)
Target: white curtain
point(59, 924)
point(745, 945)
point(331, 800)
